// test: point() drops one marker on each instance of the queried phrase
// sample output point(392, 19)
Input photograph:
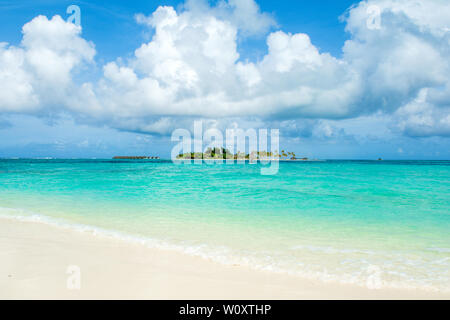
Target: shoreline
point(36, 257)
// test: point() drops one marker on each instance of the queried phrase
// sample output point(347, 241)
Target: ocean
point(377, 224)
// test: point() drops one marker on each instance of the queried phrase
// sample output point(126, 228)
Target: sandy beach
point(35, 257)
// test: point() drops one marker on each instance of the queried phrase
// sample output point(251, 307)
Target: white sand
point(34, 258)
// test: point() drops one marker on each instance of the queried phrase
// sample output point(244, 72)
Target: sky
point(339, 79)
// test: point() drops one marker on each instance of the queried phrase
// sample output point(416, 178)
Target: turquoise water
point(375, 224)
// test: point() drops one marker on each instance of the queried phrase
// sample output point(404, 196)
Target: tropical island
point(135, 158)
point(225, 154)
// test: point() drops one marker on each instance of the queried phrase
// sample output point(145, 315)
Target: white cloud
point(16, 89)
point(192, 68)
point(246, 15)
point(420, 118)
point(39, 72)
point(53, 49)
point(405, 64)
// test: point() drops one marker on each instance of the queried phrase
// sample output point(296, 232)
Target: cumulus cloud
point(244, 14)
point(191, 68)
point(39, 72)
point(16, 90)
point(420, 118)
point(404, 63)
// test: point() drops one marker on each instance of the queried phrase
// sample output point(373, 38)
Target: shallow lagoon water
point(376, 224)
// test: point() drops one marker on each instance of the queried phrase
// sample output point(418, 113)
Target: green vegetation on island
point(225, 154)
point(135, 158)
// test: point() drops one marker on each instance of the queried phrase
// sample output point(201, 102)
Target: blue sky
point(113, 29)
point(334, 86)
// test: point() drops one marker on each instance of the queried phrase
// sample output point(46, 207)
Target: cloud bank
point(192, 69)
